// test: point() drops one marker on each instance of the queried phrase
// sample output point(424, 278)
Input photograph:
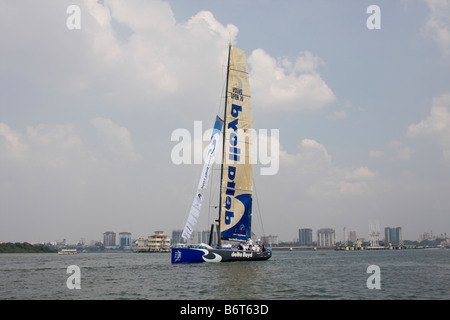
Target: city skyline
point(88, 109)
point(200, 234)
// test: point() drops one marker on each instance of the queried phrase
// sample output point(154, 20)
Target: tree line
point(24, 247)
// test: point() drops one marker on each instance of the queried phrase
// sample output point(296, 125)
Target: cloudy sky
point(87, 115)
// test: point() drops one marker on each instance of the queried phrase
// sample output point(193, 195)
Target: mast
point(219, 240)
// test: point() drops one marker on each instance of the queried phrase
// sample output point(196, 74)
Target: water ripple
point(322, 275)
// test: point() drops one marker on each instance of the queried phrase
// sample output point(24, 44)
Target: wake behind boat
point(236, 178)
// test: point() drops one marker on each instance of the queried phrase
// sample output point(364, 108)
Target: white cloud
point(61, 136)
point(438, 121)
point(132, 54)
point(11, 141)
point(205, 19)
point(405, 153)
point(438, 23)
point(163, 62)
point(394, 150)
point(54, 147)
point(116, 138)
point(311, 187)
point(338, 114)
point(135, 54)
point(141, 15)
point(312, 157)
point(311, 169)
point(352, 182)
point(126, 55)
point(361, 173)
point(436, 127)
point(283, 85)
point(376, 153)
point(352, 188)
point(59, 146)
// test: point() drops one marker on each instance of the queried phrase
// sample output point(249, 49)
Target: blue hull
point(199, 255)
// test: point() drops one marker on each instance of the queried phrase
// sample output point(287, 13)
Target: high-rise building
point(176, 236)
point(393, 235)
point(305, 237)
point(352, 236)
point(125, 240)
point(206, 235)
point(109, 239)
point(326, 237)
point(196, 237)
point(374, 233)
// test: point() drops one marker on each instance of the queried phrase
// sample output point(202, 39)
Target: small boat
point(68, 251)
point(233, 226)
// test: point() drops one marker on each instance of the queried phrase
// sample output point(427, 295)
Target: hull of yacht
point(200, 255)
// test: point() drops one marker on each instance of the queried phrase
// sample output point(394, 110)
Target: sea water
point(422, 274)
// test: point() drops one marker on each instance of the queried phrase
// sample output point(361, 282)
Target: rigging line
point(259, 209)
point(210, 194)
point(221, 98)
point(223, 92)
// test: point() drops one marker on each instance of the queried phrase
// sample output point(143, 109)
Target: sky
point(90, 99)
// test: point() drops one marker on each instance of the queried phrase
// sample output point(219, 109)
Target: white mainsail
point(237, 182)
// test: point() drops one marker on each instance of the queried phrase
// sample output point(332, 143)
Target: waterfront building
point(176, 236)
point(125, 240)
point(196, 237)
point(305, 237)
point(206, 235)
point(109, 239)
point(159, 242)
point(326, 237)
point(270, 240)
point(393, 235)
point(374, 233)
point(426, 236)
point(352, 236)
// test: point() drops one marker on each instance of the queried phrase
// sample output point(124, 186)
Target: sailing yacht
point(236, 178)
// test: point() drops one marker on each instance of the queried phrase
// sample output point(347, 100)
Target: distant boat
point(68, 251)
point(236, 181)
